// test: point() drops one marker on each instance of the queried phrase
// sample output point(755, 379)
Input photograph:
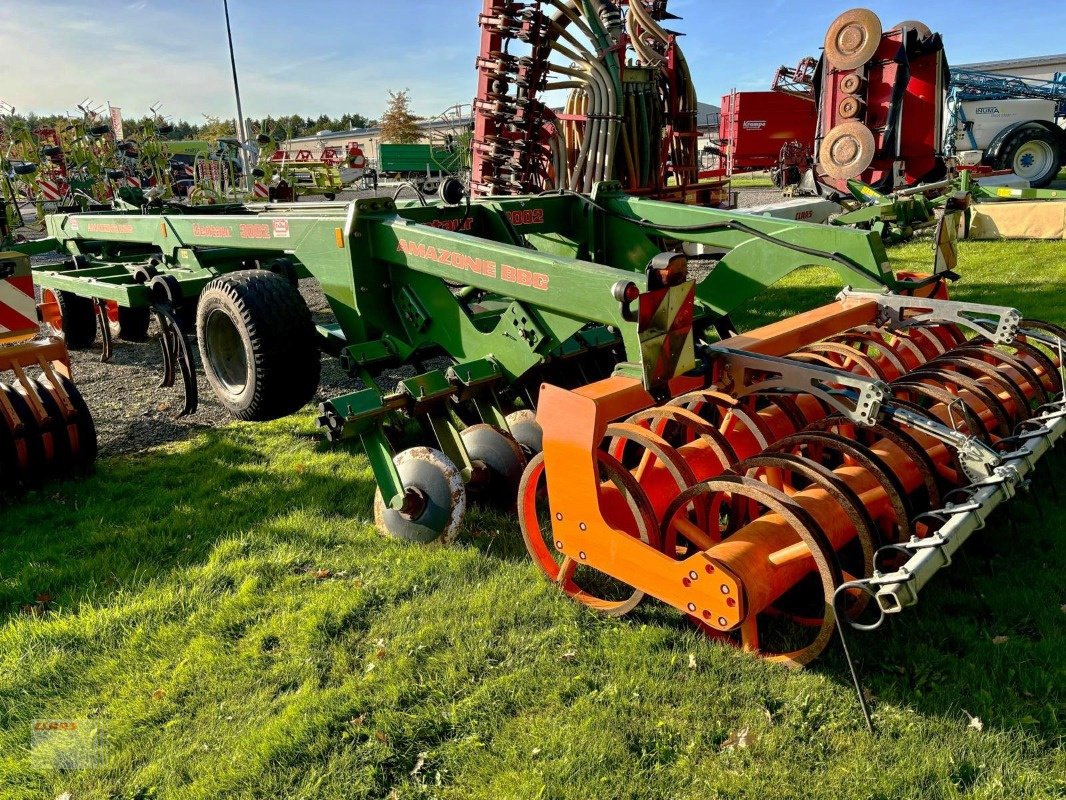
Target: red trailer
point(755, 126)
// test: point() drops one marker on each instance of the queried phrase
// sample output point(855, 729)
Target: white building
point(1042, 67)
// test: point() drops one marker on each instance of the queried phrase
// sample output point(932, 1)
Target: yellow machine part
point(1024, 220)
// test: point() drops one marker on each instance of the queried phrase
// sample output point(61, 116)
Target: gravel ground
point(132, 412)
point(746, 198)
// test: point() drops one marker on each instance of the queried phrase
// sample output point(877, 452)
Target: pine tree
point(398, 124)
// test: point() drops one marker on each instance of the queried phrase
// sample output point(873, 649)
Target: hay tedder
point(46, 429)
point(766, 484)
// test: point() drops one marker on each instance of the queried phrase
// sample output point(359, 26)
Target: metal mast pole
point(237, 91)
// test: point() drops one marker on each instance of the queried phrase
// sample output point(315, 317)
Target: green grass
point(755, 180)
point(225, 609)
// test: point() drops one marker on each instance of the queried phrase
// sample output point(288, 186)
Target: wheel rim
point(1033, 160)
point(51, 312)
point(226, 351)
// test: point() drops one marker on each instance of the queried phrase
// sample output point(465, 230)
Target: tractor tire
point(258, 344)
point(78, 316)
point(1034, 154)
point(131, 324)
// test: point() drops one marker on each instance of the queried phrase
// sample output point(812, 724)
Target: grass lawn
point(223, 608)
point(754, 180)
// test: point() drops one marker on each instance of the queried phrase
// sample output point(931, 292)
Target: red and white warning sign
point(281, 229)
point(133, 181)
point(261, 190)
point(18, 308)
point(49, 189)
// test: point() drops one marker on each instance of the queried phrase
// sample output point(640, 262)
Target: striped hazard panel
point(50, 190)
point(665, 319)
point(18, 308)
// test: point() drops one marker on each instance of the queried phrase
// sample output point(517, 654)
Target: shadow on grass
point(987, 635)
point(143, 516)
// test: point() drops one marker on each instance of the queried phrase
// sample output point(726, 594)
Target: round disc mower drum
point(849, 107)
point(434, 499)
point(846, 151)
point(852, 39)
point(923, 30)
point(850, 83)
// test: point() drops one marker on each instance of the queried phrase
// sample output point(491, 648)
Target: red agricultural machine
point(768, 131)
point(870, 109)
point(46, 429)
point(626, 106)
point(881, 98)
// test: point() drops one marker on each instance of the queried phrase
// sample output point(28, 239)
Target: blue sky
point(338, 56)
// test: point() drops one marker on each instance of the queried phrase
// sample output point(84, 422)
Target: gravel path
point(133, 413)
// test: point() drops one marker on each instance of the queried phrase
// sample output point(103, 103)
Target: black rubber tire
point(79, 320)
point(258, 344)
point(82, 456)
point(1020, 139)
point(133, 323)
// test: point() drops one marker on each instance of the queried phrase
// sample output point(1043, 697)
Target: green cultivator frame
point(769, 485)
point(511, 291)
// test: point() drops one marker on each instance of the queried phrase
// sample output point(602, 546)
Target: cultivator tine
point(104, 325)
point(176, 353)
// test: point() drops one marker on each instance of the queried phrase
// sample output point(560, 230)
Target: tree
point(216, 129)
point(398, 124)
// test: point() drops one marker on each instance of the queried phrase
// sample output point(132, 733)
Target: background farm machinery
point(629, 105)
point(766, 484)
point(889, 139)
point(46, 429)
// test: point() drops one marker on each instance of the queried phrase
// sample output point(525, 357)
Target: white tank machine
point(1007, 122)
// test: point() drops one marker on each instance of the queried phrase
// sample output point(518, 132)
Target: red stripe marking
point(14, 321)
